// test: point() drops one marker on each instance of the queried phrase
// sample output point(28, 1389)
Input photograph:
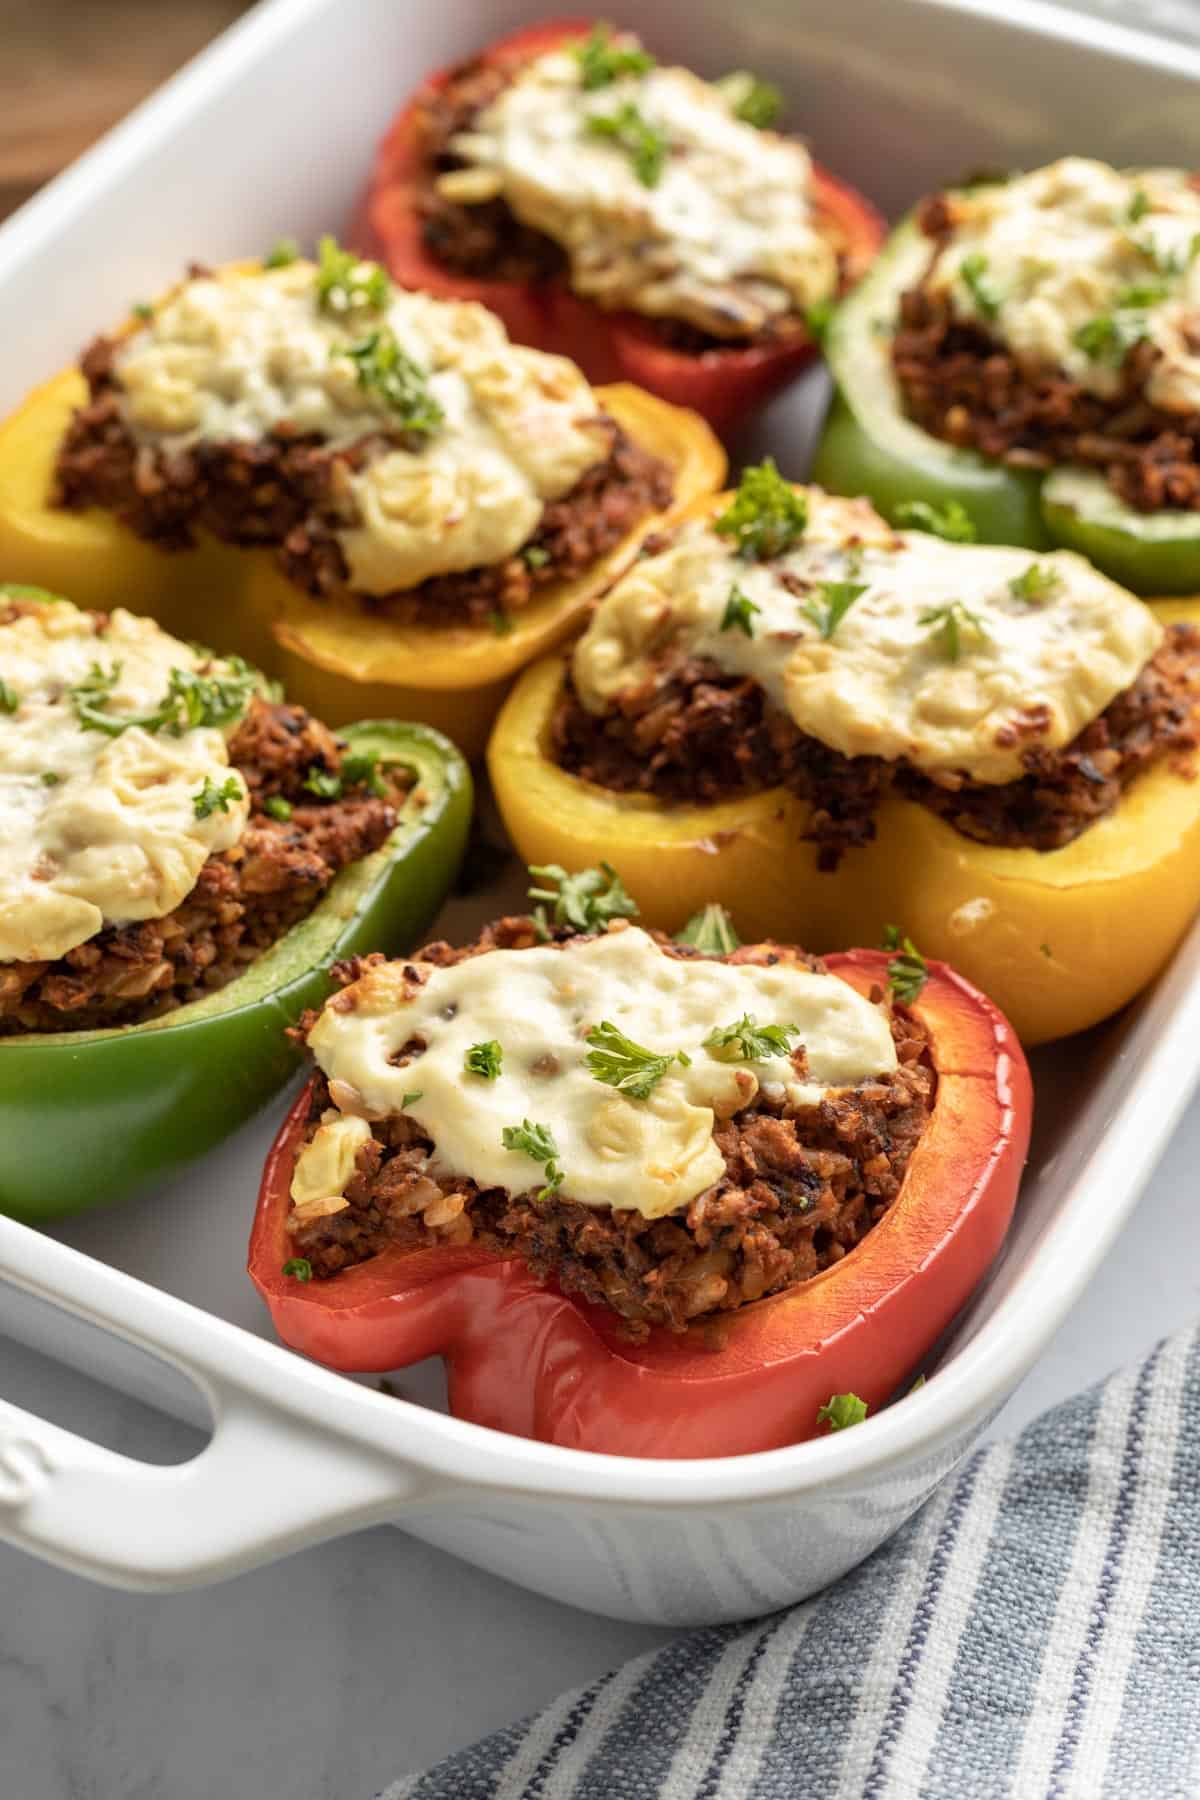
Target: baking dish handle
point(267, 1482)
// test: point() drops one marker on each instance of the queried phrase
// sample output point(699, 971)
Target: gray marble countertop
point(326, 1676)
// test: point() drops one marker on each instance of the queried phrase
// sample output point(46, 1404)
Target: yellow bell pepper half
point(1059, 939)
point(341, 661)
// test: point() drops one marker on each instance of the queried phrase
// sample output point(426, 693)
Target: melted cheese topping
point(1077, 242)
point(235, 356)
point(652, 1155)
point(884, 684)
point(724, 240)
point(115, 837)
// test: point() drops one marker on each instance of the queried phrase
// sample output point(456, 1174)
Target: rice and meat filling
point(1077, 342)
point(799, 1185)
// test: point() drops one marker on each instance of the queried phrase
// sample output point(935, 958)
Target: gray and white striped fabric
point(1033, 1631)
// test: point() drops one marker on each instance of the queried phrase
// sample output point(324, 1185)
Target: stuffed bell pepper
point(645, 222)
point(644, 1196)
point(831, 725)
point(372, 493)
point(1027, 353)
point(182, 854)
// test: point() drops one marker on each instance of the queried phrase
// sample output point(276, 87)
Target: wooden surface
point(71, 68)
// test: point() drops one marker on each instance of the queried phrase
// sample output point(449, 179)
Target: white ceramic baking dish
point(269, 132)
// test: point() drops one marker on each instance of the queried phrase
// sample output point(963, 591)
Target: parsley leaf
point(323, 783)
point(602, 61)
point(1139, 206)
point(500, 623)
point(585, 901)
point(50, 779)
point(283, 251)
point(626, 1066)
point(382, 367)
point(755, 102)
point(837, 597)
point(276, 807)
point(710, 930)
point(300, 1267)
point(973, 270)
point(190, 701)
point(766, 515)
point(411, 1099)
point(739, 612)
point(643, 143)
point(748, 1041)
point(484, 1059)
point(951, 624)
point(142, 309)
point(360, 768)
point(9, 698)
point(536, 1141)
point(534, 556)
point(346, 281)
point(951, 521)
point(818, 317)
point(907, 969)
point(841, 1410)
point(1037, 583)
point(212, 798)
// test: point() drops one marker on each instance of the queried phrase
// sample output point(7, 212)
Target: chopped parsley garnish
point(484, 1059)
point(951, 624)
point(755, 102)
point(1146, 293)
point(748, 1041)
point(50, 779)
point(584, 902)
point(345, 281)
point(537, 1142)
point(602, 61)
point(818, 317)
point(630, 1068)
point(973, 270)
point(323, 783)
point(1170, 262)
point(142, 309)
point(766, 515)
point(411, 1099)
point(836, 599)
point(283, 251)
point(500, 623)
point(190, 701)
point(382, 367)
point(534, 556)
point(300, 1267)
point(212, 798)
point(9, 698)
point(841, 1410)
point(951, 521)
point(907, 969)
point(1139, 206)
point(1110, 335)
point(276, 807)
point(1100, 337)
point(360, 768)
point(710, 930)
point(739, 612)
point(643, 143)
point(1037, 583)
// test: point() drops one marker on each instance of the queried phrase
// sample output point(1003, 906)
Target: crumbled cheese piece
point(327, 1161)
point(98, 830)
point(235, 356)
point(725, 239)
point(886, 683)
point(653, 1155)
point(1040, 259)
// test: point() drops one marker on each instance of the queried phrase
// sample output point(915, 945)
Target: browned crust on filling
point(962, 385)
point(690, 733)
point(803, 1186)
point(489, 243)
point(288, 493)
point(244, 900)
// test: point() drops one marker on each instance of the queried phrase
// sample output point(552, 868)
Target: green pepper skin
point(1150, 553)
point(88, 1117)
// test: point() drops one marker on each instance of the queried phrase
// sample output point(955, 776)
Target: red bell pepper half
point(726, 386)
point(528, 1359)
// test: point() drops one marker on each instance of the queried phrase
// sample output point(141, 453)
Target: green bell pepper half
point(88, 1117)
point(869, 447)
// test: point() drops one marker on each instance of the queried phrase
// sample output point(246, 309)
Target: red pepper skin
point(725, 386)
point(527, 1359)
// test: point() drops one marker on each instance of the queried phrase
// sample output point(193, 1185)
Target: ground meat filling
point(690, 733)
point(961, 385)
point(243, 902)
point(488, 242)
point(286, 493)
point(802, 1187)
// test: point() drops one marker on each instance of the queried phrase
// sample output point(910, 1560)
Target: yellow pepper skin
point(341, 661)
point(1058, 939)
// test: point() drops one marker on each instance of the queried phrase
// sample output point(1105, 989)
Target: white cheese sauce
point(885, 684)
point(234, 356)
point(1077, 242)
point(98, 830)
point(725, 239)
point(653, 1155)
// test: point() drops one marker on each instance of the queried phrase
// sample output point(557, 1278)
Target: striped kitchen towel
point(1033, 1631)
